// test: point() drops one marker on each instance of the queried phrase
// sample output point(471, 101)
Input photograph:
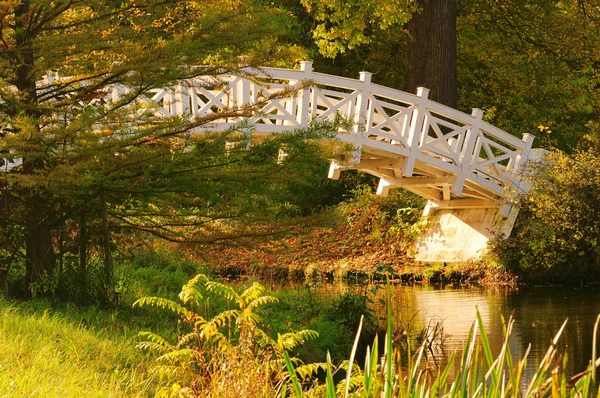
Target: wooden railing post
point(466, 154)
point(417, 129)
point(361, 117)
point(303, 108)
point(181, 101)
point(522, 157)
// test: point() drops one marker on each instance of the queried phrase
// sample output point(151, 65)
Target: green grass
point(45, 354)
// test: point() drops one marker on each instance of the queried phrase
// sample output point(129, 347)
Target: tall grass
point(45, 354)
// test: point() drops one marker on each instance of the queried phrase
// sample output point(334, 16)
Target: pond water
point(538, 312)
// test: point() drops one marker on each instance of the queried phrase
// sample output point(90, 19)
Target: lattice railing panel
point(494, 160)
point(444, 139)
point(326, 104)
point(388, 120)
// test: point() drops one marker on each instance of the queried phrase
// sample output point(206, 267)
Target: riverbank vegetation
point(226, 344)
point(365, 232)
point(557, 234)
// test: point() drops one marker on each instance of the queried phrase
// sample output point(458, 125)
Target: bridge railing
point(399, 123)
point(409, 126)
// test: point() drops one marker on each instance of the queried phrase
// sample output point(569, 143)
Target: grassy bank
point(69, 352)
point(52, 349)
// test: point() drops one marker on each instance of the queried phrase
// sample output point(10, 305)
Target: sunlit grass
point(47, 354)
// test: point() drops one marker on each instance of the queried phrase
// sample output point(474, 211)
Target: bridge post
point(181, 103)
point(523, 156)
point(515, 183)
point(303, 108)
point(466, 155)
point(361, 117)
point(418, 125)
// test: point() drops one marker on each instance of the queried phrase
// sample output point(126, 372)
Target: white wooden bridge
point(460, 163)
point(449, 157)
point(463, 165)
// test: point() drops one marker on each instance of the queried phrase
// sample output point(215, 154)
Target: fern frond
point(154, 342)
point(355, 382)
point(263, 300)
point(190, 338)
point(163, 303)
point(151, 347)
point(308, 370)
point(176, 356)
point(222, 290)
point(279, 363)
point(168, 372)
point(252, 293)
point(189, 292)
point(247, 318)
point(213, 336)
point(224, 317)
point(289, 341)
point(190, 295)
point(263, 339)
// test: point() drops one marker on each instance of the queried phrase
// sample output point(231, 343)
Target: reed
point(479, 374)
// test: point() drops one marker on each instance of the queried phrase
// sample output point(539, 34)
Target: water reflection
point(538, 313)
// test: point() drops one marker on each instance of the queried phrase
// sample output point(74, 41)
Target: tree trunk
point(111, 297)
point(39, 257)
point(39, 252)
point(432, 51)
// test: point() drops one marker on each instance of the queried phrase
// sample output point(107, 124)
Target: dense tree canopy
point(88, 169)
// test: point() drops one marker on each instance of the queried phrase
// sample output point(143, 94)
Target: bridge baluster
point(181, 104)
point(522, 157)
point(466, 156)
point(241, 92)
point(360, 114)
point(303, 113)
point(416, 131)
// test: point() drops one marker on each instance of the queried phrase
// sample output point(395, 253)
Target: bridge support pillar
point(460, 230)
point(459, 234)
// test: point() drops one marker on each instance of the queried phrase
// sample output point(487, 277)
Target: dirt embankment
point(344, 253)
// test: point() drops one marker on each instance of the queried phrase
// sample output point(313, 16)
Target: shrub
point(394, 216)
point(557, 234)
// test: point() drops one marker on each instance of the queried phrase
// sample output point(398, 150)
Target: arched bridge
point(463, 165)
point(449, 157)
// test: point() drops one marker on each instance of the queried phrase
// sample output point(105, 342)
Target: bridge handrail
point(484, 153)
point(407, 125)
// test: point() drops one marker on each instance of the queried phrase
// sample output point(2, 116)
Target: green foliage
point(395, 217)
point(556, 237)
point(531, 65)
point(348, 310)
point(300, 309)
point(214, 350)
point(343, 25)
